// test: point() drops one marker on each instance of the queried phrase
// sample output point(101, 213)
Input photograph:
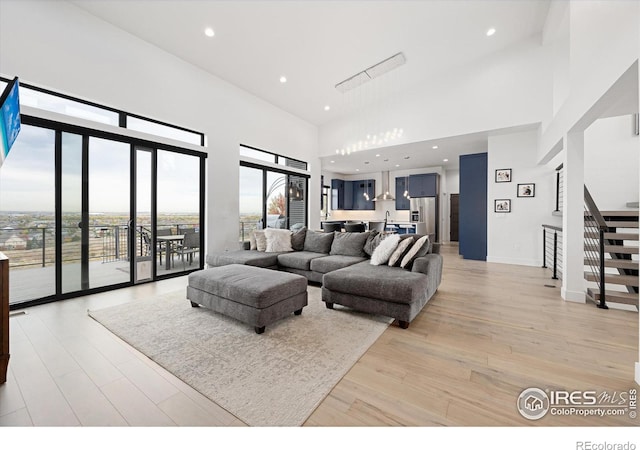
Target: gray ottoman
point(253, 295)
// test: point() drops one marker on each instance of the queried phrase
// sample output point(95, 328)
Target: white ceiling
point(317, 44)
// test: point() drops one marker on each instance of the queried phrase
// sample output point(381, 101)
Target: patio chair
point(190, 245)
point(161, 247)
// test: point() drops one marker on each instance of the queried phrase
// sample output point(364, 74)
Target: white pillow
point(383, 252)
point(261, 240)
point(278, 240)
point(252, 241)
point(413, 252)
point(399, 251)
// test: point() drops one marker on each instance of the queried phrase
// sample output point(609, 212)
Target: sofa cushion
point(401, 249)
point(419, 249)
point(297, 239)
point(391, 284)
point(383, 252)
point(373, 240)
point(278, 240)
point(252, 241)
point(348, 244)
point(248, 257)
point(298, 260)
point(334, 262)
point(317, 242)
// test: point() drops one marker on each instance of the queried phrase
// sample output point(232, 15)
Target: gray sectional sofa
point(341, 263)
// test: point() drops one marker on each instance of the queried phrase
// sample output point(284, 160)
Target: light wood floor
point(490, 331)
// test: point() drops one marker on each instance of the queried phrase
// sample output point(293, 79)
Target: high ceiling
point(317, 44)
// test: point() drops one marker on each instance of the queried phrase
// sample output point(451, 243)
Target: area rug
point(273, 379)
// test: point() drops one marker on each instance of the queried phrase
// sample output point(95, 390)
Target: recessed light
point(397, 165)
point(357, 170)
point(327, 108)
point(491, 31)
point(434, 147)
point(378, 155)
point(366, 162)
point(445, 160)
point(331, 162)
point(283, 79)
point(386, 160)
point(209, 32)
point(407, 157)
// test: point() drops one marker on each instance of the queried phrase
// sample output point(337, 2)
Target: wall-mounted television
point(9, 118)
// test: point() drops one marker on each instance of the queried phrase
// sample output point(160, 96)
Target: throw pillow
point(400, 250)
point(349, 244)
point(252, 241)
point(412, 254)
point(261, 240)
point(278, 240)
point(317, 242)
point(383, 252)
point(374, 239)
point(297, 239)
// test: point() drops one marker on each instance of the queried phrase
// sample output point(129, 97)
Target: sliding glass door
point(82, 213)
point(27, 214)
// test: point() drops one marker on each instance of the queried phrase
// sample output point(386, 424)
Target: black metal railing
point(552, 251)
point(35, 246)
point(559, 188)
point(594, 229)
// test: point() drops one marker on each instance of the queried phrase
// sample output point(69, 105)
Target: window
point(53, 103)
point(27, 214)
point(262, 155)
point(271, 197)
point(159, 129)
point(46, 100)
point(83, 210)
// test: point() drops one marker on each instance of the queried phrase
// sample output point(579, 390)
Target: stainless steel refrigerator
point(424, 213)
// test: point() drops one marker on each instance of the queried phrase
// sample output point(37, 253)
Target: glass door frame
point(59, 128)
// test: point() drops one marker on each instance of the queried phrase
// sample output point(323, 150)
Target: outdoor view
point(27, 212)
point(280, 214)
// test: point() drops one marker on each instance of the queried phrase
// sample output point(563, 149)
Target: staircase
point(615, 270)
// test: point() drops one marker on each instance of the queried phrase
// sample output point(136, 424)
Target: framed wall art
point(527, 190)
point(503, 175)
point(502, 205)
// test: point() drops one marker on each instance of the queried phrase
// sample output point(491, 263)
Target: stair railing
point(594, 228)
point(552, 249)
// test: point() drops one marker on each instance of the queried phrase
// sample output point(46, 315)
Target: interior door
point(453, 217)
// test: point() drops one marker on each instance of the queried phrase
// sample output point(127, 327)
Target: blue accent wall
point(473, 206)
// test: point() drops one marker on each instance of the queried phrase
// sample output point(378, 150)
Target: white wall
point(59, 46)
point(516, 237)
point(603, 44)
point(611, 162)
point(556, 37)
point(509, 88)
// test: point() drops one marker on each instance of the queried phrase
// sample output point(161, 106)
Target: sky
point(27, 181)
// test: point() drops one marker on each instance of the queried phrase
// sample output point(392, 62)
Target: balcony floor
point(34, 282)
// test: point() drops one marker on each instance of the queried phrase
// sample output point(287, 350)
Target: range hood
point(384, 195)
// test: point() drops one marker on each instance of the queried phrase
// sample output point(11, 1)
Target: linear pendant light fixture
point(374, 137)
point(372, 72)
